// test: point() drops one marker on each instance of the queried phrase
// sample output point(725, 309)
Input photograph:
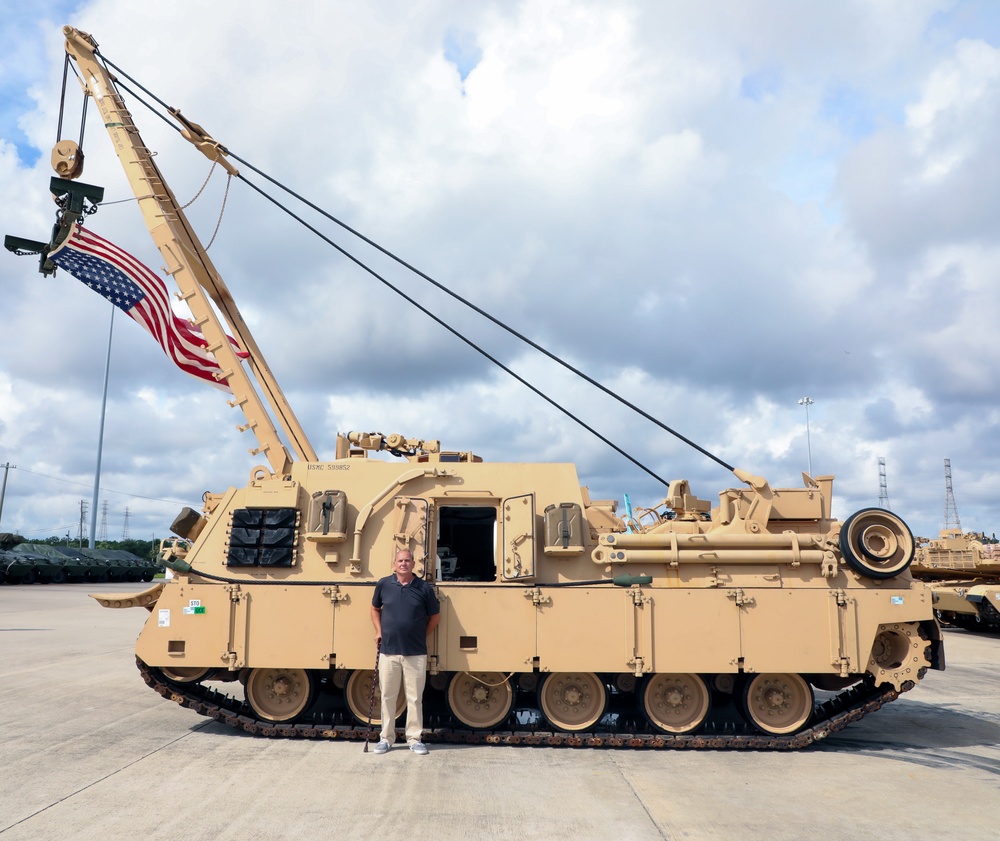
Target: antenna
point(950, 509)
point(883, 485)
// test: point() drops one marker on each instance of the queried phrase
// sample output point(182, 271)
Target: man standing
point(404, 612)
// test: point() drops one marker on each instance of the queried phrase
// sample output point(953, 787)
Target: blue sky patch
point(26, 61)
point(462, 50)
point(976, 19)
point(762, 83)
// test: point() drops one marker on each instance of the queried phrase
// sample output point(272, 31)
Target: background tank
point(74, 565)
point(58, 564)
point(124, 565)
point(16, 568)
point(963, 573)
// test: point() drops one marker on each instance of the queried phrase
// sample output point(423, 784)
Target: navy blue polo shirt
point(405, 611)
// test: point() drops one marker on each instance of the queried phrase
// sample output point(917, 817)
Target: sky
point(714, 209)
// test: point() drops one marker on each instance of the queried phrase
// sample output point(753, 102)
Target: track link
point(835, 714)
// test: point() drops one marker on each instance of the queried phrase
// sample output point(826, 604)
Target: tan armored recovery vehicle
point(963, 573)
point(757, 621)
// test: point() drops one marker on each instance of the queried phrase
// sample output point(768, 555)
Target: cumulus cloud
point(714, 209)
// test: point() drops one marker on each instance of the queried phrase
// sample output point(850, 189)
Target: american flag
point(142, 296)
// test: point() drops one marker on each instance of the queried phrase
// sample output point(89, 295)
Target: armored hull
point(712, 628)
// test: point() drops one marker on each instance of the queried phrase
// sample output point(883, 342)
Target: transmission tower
point(102, 534)
point(883, 485)
point(125, 526)
point(950, 509)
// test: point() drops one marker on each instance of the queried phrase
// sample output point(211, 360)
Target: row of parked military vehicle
point(43, 563)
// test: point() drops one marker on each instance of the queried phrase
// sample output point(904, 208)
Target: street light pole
point(807, 402)
point(100, 437)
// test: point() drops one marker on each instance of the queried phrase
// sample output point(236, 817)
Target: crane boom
point(188, 263)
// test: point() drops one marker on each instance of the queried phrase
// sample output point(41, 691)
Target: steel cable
point(478, 310)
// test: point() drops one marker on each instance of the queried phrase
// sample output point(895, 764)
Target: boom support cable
point(486, 354)
point(441, 287)
point(479, 311)
point(430, 314)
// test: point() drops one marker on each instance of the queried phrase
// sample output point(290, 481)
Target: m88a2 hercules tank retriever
point(759, 621)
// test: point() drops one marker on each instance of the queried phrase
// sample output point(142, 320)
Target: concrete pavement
point(89, 752)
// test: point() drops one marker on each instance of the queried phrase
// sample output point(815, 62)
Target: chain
point(202, 188)
point(225, 198)
point(229, 181)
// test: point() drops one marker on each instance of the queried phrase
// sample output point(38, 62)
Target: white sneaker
point(419, 748)
point(382, 747)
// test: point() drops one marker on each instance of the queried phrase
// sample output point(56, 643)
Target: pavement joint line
point(639, 799)
point(105, 777)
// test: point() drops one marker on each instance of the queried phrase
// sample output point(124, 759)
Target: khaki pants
point(412, 672)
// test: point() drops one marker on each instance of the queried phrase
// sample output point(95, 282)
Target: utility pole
point(83, 515)
point(125, 527)
point(3, 488)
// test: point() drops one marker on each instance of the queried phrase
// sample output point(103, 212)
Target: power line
point(105, 490)
point(47, 530)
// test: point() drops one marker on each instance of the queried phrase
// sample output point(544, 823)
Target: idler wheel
point(572, 701)
point(480, 700)
point(279, 695)
point(358, 693)
point(675, 703)
point(777, 704)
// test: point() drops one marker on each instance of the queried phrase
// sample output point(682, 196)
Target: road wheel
point(777, 704)
point(184, 674)
point(358, 695)
point(480, 700)
point(675, 703)
point(573, 701)
point(279, 695)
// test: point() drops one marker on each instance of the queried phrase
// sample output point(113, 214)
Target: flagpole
point(100, 435)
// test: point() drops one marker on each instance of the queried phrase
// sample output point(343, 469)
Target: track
point(987, 620)
point(831, 716)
